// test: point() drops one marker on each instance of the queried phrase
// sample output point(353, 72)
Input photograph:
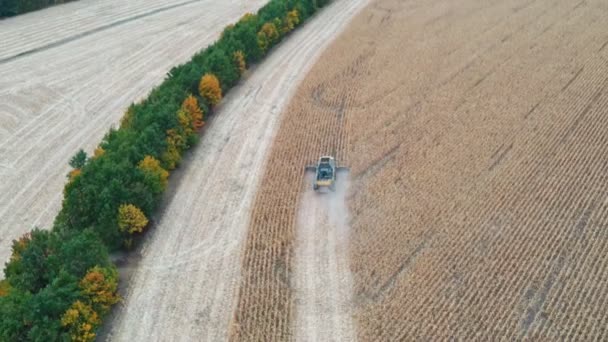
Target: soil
point(323, 284)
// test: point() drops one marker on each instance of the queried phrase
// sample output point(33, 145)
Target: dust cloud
point(323, 277)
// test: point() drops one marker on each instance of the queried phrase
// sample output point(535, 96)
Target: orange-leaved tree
point(131, 219)
point(150, 166)
point(5, 288)
point(190, 105)
point(20, 245)
point(100, 286)
point(73, 174)
point(239, 61)
point(81, 321)
point(210, 89)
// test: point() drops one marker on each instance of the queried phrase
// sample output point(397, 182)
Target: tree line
point(9, 8)
point(60, 283)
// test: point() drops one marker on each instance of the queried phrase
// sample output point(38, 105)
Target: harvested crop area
point(323, 285)
point(478, 201)
point(68, 73)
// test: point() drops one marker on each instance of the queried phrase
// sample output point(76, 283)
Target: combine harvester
point(325, 173)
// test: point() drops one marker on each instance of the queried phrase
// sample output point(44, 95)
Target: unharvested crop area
point(475, 131)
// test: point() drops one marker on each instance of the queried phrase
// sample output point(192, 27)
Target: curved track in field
point(68, 74)
point(185, 286)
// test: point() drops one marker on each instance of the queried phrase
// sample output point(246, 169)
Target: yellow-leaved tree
point(99, 151)
point(185, 122)
point(100, 285)
point(268, 34)
point(226, 29)
point(175, 145)
point(127, 118)
point(210, 89)
point(291, 21)
point(247, 17)
point(131, 219)
point(151, 168)
point(190, 105)
point(239, 61)
point(81, 321)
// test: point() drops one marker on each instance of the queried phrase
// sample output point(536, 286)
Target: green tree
point(28, 268)
point(76, 252)
point(13, 316)
point(220, 64)
point(78, 160)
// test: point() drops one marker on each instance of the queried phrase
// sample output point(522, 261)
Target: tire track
point(323, 293)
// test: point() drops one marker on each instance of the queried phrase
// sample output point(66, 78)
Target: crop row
point(486, 221)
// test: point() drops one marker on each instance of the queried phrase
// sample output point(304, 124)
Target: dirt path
point(90, 60)
point(186, 285)
point(323, 279)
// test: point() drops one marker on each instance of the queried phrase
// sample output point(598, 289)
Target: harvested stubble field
point(67, 73)
point(475, 131)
